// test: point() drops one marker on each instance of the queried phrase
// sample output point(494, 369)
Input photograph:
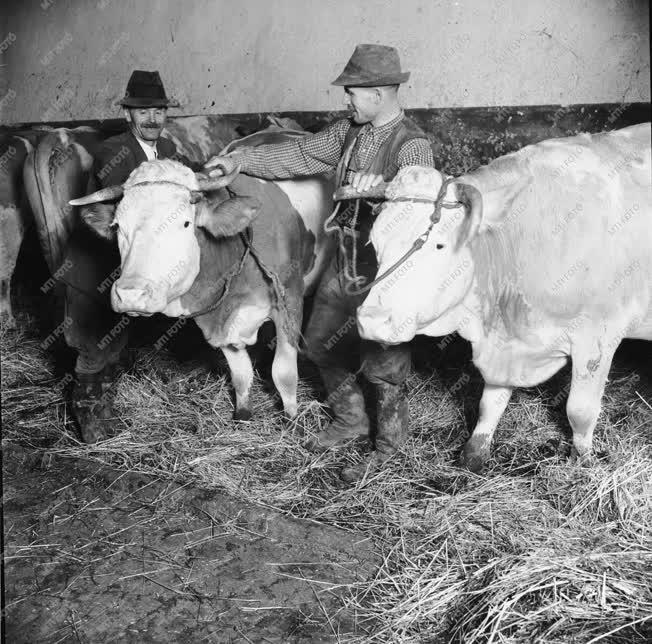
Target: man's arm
point(310, 155)
point(416, 152)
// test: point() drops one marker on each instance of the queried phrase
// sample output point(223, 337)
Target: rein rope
point(236, 269)
point(356, 283)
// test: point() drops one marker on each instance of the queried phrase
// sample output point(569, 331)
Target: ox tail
point(55, 171)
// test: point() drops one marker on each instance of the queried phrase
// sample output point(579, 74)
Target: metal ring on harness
point(438, 204)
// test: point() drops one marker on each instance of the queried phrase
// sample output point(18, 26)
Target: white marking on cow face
point(159, 251)
point(427, 286)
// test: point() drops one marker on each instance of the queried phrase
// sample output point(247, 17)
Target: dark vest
point(386, 163)
point(386, 160)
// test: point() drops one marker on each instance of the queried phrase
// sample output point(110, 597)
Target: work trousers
point(90, 324)
point(334, 345)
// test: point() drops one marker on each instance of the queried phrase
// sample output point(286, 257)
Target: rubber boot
point(92, 405)
point(346, 401)
point(393, 419)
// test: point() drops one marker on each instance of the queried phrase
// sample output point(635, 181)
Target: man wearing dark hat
point(92, 327)
point(145, 109)
point(364, 149)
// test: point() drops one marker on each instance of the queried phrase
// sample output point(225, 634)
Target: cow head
point(155, 224)
point(428, 285)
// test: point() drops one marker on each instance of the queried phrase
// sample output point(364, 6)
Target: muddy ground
point(94, 555)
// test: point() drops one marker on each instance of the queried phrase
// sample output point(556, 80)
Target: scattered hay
point(538, 549)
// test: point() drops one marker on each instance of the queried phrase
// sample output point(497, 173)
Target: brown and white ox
point(231, 252)
point(15, 217)
point(16, 213)
point(58, 168)
point(543, 254)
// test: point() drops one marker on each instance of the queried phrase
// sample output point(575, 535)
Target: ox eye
point(186, 224)
point(439, 246)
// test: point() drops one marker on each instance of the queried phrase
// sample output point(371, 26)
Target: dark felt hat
point(145, 89)
point(372, 66)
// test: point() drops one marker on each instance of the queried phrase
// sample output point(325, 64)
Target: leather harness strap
point(435, 216)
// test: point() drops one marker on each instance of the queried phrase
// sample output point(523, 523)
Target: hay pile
point(536, 549)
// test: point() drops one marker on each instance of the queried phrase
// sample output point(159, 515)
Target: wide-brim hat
point(372, 66)
point(145, 89)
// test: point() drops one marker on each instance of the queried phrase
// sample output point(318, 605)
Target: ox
point(57, 170)
point(231, 252)
point(14, 215)
point(542, 255)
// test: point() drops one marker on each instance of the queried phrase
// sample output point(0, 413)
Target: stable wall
point(70, 59)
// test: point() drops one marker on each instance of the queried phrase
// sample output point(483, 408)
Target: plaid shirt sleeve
point(416, 152)
point(313, 154)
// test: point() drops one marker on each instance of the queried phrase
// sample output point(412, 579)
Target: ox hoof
point(473, 460)
point(94, 425)
point(587, 459)
point(242, 414)
point(94, 432)
point(289, 416)
point(7, 321)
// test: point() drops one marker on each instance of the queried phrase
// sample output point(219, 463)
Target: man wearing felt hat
point(369, 146)
point(94, 330)
point(145, 107)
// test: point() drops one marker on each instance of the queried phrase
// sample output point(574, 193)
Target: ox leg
point(242, 375)
point(589, 376)
point(492, 405)
point(12, 231)
point(285, 374)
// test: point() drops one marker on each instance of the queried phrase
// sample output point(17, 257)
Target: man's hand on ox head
point(219, 165)
point(362, 181)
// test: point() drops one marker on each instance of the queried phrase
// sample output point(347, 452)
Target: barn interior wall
point(70, 59)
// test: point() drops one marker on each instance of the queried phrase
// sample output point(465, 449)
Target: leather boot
point(92, 405)
point(346, 401)
point(393, 419)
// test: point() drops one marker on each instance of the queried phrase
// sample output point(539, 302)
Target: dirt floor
point(94, 555)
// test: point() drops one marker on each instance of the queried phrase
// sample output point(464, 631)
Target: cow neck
point(495, 294)
point(217, 257)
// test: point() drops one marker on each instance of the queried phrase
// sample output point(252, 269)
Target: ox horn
point(105, 194)
point(208, 183)
point(349, 192)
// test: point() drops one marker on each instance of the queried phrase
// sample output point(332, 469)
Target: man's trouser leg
point(333, 344)
point(95, 330)
point(387, 369)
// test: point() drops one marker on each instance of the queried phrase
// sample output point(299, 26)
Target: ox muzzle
point(137, 297)
point(377, 324)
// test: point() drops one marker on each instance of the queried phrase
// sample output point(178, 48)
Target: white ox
point(548, 255)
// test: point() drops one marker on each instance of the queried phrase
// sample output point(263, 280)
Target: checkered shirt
point(321, 152)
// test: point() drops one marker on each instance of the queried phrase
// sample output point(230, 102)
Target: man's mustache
point(153, 126)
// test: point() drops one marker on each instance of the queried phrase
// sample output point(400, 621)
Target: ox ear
point(229, 217)
point(471, 198)
point(99, 217)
